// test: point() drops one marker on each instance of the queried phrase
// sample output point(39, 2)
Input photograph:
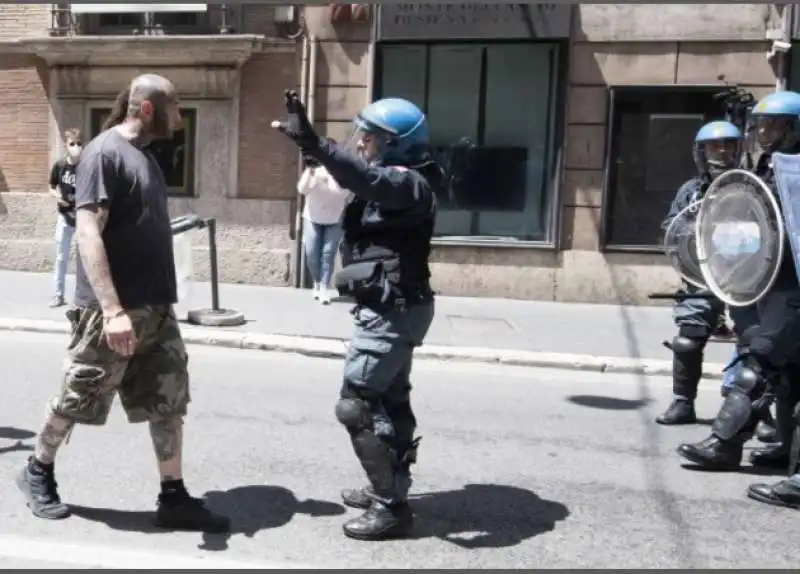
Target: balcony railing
point(69, 20)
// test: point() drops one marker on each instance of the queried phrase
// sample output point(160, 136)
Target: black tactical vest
point(401, 239)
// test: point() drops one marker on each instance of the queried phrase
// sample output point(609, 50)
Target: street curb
point(337, 349)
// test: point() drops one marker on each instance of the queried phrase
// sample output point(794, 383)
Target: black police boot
point(775, 456)
point(357, 497)
point(381, 522)
point(766, 431)
point(38, 484)
point(680, 412)
point(714, 453)
point(182, 512)
point(784, 493)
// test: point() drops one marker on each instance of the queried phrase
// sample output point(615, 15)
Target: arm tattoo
point(167, 438)
point(90, 222)
point(49, 440)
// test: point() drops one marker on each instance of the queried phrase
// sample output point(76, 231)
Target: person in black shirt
point(62, 188)
point(125, 337)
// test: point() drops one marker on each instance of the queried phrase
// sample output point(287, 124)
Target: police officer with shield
point(387, 239)
point(717, 148)
point(775, 341)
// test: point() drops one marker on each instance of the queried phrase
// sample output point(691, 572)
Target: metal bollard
point(215, 316)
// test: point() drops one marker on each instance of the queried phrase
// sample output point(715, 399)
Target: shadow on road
point(485, 516)
point(608, 403)
point(750, 470)
point(250, 508)
point(18, 435)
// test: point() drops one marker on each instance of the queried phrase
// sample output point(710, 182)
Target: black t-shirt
point(128, 182)
point(62, 178)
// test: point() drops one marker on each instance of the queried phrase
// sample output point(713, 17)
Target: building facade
point(569, 126)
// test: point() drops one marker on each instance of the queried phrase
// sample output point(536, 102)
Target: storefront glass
point(492, 111)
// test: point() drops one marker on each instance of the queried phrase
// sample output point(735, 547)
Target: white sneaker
point(325, 297)
point(317, 291)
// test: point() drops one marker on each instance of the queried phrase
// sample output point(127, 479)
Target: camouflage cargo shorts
point(152, 384)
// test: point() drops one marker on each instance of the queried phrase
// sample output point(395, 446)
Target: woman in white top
point(322, 231)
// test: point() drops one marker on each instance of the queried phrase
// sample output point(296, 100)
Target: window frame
point(555, 141)
point(190, 114)
point(609, 168)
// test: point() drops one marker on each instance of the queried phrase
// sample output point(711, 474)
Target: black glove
point(297, 127)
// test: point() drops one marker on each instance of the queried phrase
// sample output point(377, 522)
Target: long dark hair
point(118, 111)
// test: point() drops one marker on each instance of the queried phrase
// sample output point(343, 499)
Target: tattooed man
point(125, 336)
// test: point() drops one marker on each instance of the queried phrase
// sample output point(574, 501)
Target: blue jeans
point(321, 243)
point(63, 237)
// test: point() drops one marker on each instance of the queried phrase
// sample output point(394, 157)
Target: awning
point(134, 8)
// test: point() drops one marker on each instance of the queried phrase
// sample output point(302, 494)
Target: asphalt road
point(519, 468)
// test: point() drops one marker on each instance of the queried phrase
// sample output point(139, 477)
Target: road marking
point(109, 557)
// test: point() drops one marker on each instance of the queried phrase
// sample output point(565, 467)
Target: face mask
point(75, 151)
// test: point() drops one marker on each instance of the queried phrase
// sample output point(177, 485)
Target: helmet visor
point(722, 153)
point(369, 144)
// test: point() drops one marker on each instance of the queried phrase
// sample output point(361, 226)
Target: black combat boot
point(767, 430)
point(774, 456)
point(680, 412)
point(381, 522)
point(179, 511)
point(357, 497)
point(37, 482)
point(714, 453)
point(783, 493)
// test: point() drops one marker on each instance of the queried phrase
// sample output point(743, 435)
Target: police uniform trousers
point(772, 349)
point(375, 403)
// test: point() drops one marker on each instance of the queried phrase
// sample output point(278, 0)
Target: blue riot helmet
point(392, 131)
point(717, 148)
point(776, 119)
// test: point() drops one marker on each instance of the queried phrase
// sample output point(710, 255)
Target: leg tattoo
point(166, 435)
point(52, 435)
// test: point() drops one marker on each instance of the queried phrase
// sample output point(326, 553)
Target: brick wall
point(267, 160)
point(24, 115)
point(24, 21)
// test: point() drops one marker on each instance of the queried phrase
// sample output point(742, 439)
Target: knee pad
point(748, 382)
point(686, 347)
point(354, 414)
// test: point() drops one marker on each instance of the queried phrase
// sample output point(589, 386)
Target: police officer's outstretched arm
point(391, 187)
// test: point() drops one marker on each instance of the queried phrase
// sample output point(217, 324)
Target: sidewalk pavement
point(602, 338)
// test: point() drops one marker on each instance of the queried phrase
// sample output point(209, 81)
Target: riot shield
point(740, 235)
point(680, 245)
point(787, 180)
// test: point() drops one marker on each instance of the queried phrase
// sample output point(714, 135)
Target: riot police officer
point(717, 148)
point(388, 228)
point(774, 342)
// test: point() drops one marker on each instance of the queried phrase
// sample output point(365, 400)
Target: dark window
point(794, 68)
point(652, 131)
point(176, 156)
point(491, 109)
point(167, 22)
point(121, 20)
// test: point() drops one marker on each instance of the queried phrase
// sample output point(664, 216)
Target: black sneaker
point(41, 492)
point(187, 513)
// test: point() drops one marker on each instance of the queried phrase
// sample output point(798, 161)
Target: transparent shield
point(680, 245)
point(787, 178)
point(739, 231)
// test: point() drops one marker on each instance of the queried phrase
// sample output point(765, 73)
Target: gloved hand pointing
point(296, 126)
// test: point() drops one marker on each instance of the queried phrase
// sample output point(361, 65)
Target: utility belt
point(377, 285)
